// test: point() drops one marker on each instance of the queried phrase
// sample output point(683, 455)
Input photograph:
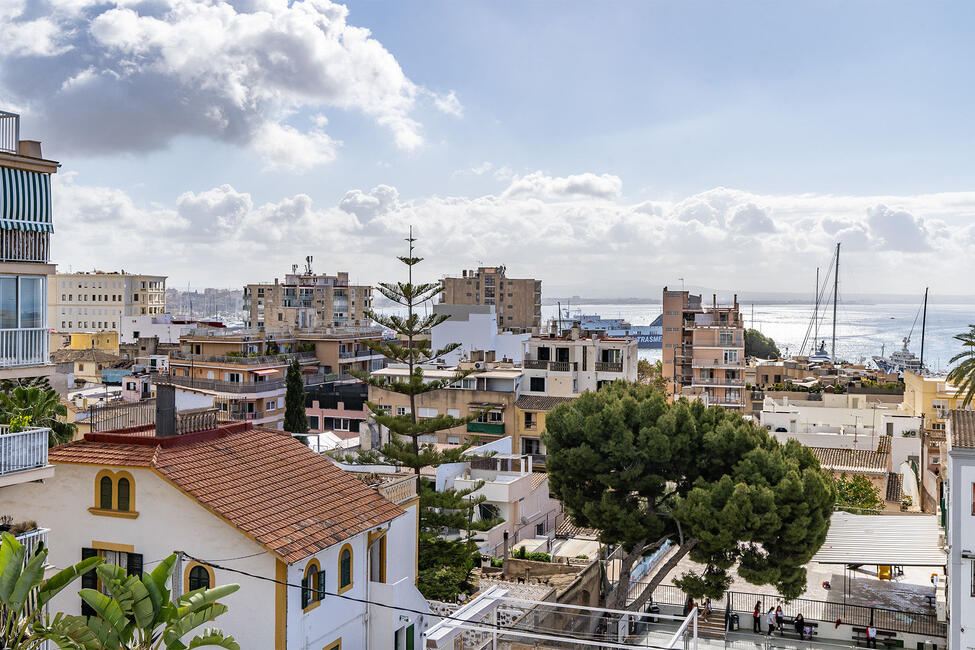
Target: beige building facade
point(703, 349)
point(517, 302)
point(97, 300)
point(572, 363)
point(308, 300)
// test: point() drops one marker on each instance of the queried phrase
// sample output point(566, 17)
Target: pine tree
point(294, 401)
point(445, 565)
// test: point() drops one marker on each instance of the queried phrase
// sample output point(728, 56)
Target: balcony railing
point(400, 491)
point(554, 366)
point(716, 381)
point(24, 246)
point(222, 386)
point(609, 366)
point(9, 132)
point(493, 428)
point(22, 451)
point(243, 360)
point(26, 346)
point(716, 363)
point(243, 416)
point(32, 538)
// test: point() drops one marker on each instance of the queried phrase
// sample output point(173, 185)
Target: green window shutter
point(134, 565)
point(321, 585)
point(305, 592)
point(409, 638)
point(345, 579)
point(88, 580)
point(105, 493)
point(123, 494)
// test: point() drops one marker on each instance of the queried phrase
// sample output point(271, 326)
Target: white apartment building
point(96, 300)
point(161, 327)
point(577, 361)
point(475, 328)
point(960, 533)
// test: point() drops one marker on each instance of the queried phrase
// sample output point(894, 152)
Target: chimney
point(30, 148)
point(714, 300)
point(736, 302)
point(165, 411)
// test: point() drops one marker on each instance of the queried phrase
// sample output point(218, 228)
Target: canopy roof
point(907, 540)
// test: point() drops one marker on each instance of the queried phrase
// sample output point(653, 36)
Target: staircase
point(713, 628)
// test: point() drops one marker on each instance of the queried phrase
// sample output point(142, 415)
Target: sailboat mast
point(836, 289)
point(924, 319)
point(816, 313)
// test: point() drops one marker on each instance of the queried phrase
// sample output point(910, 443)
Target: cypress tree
point(294, 401)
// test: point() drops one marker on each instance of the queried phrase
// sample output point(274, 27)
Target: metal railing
point(220, 385)
point(9, 132)
point(609, 366)
point(32, 538)
point(22, 451)
point(24, 246)
point(716, 381)
point(243, 416)
point(243, 360)
point(25, 346)
point(716, 363)
point(112, 417)
point(554, 366)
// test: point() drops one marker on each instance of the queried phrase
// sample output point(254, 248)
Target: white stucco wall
point(166, 331)
point(961, 532)
point(479, 332)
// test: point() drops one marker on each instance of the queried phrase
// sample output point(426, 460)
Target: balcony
point(243, 360)
point(9, 132)
point(27, 346)
point(32, 538)
point(222, 386)
point(492, 428)
point(716, 363)
point(399, 491)
point(23, 456)
point(553, 366)
point(243, 416)
point(24, 246)
point(609, 366)
point(716, 381)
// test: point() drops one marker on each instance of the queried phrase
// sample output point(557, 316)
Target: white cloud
point(576, 242)
point(131, 76)
point(540, 185)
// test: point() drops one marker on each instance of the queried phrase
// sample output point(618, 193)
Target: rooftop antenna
point(308, 265)
point(681, 283)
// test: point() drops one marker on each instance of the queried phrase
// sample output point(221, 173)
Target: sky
point(607, 149)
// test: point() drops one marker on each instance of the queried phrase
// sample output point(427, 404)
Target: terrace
point(23, 455)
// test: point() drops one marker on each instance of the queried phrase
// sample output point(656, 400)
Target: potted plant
point(23, 527)
point(5, 522)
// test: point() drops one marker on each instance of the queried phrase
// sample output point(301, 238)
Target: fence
point(9, 132)
point(817, 610)
point(24, 246)
point(26, 346)
point(120, 416)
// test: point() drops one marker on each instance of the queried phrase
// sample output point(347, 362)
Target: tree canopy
point(857, 494)
point(641, 470)
point(759, 345)
point(295, 420)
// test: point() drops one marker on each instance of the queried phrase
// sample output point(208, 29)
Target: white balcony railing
point(22, 451)
point(32, 538)
point(23, 346)
point(9, 132)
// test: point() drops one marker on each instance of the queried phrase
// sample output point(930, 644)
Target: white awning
point(906, 540)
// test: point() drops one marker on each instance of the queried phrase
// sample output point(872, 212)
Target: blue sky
point(827, 119)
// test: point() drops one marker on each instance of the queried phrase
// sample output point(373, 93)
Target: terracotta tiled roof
point(540, 402)
point(963, 429)
point(89, 354)
point(286, 497)
point(895, 487)
point(537, 479)
point(854, 461)
point(568, 528)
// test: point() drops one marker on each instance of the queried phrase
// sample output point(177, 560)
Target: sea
point(862, 330)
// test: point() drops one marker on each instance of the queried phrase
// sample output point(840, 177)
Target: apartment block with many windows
point(569, 364)
point(98, 300)
point(703, 349)
point(307, 300)
point(517, 302)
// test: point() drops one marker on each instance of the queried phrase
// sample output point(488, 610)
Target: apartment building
point(517, 302)
point(246, 498)
point(489, 391)
point(571, 363)
point(307, 300)
point(703, 349)
point(960, 528)
point(26, 223)
point(98, 300)
point(530, 414)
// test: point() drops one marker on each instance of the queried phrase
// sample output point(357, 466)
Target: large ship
point(900, 360)
point(647, 336)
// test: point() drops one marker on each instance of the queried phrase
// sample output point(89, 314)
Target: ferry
point(647, 336)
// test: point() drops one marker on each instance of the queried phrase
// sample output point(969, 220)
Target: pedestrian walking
point(778, 619)
point(757, 618)
point(770, 620)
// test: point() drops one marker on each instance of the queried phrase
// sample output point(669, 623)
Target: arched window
point(345, 568)
point(105, 493)
point(122, 488)
point(199, 578)
point(312, 586)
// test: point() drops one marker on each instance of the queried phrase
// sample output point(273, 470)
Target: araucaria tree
point(445, 565)
point(295, 420)
point(642, 471)
point(963, 375)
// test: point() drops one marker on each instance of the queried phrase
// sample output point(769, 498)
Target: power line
point(377, 604)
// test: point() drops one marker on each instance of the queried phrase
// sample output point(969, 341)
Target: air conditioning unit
point(478, 365)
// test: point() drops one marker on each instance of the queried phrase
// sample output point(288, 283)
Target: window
point(21, 302)
point(313, 422)
point(342, 424)
point(334, 645)
point(454, 413)
point(121, 555)
point(426, 412)
point(402, 410)
point(312, 586)
point(345, 568)
point(114, 495)
point(529, 420)
point(536, 385)
point(531, 446)
point(465, 384)
point(731, 356)
point(198, 576)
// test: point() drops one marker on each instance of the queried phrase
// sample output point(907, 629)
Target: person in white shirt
point(770, 620)
point(871, 636)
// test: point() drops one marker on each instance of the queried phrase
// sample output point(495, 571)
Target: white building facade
point(960, 533)
point(475, 328)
